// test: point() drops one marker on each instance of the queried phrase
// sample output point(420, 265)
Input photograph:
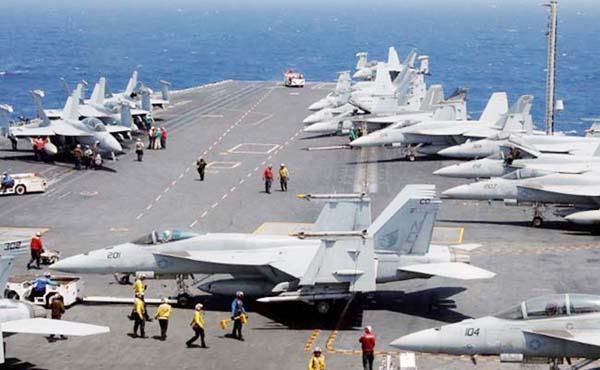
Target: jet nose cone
point(447, 171)
point(422, 341)
point(452, 152)
point(361, 142)
point(73, 264)
point(457, 192)
point(111, 144)
point(317, 105)
point(310, 119)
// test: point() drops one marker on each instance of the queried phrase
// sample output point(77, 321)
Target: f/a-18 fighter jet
point(345, 254)
point(18, 317)
point(576, 195)
point(547, 328)
point(89, 131)
point(338, 97)
point(517, 154)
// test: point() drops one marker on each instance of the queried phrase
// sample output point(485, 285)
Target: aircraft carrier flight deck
point(239, 128)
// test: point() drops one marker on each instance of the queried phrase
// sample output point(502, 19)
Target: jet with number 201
point(332, 262)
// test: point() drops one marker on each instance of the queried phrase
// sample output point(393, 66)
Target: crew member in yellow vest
point(139, 286)
point(198, 326)
point(139, 315)
point(162, 315)
point(317, 361)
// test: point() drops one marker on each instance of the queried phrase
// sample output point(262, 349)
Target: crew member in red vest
point(36, 250)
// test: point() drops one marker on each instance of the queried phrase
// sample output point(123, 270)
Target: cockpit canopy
point(94, 124)
point(554, 305)
point(525, 173)
point(164, 236)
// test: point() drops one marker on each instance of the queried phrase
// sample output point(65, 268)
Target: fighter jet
point(332, 262)
point(575, 145)
point(551, 328)
point(88, 131)
point(429, 137)
point(368, 71)
point(134, 89)
point(515, 155)
point(95, 107)
point(338, 97)
point(366, 87)
point(18, 317)
point(406, 94)
point(577, 195)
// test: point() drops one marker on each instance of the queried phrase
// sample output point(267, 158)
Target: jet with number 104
point(345, 254)
point(546, 329)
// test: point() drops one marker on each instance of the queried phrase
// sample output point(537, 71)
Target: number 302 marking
point(113, 255)
point(470, 332)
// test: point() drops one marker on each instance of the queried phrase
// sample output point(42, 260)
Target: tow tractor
point(69, 287)
point(293, 79)
point(26, 183)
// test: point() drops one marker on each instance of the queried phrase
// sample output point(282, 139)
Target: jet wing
point(64, 129)
point(48, 326)
point(290, 260)
point(452, 130)
point(116, 129)
point(32, 131)
point(53, 113)
point(57, 127)
point(574, 190)
point(590, 337)
point(569, 168)
point(453, 270)
point(408, 116)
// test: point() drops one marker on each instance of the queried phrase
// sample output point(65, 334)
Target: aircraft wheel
point(537, 221)
point(12, 295)
point(20, 189)
point(411, 158)
point(183, 300)
point(323, 307)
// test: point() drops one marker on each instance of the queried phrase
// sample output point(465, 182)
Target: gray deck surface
point(240, 127)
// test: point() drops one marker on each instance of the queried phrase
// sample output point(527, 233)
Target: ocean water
point(487, 45)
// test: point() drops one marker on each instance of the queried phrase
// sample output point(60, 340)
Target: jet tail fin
point(496, 107)
point(146, 102)
point(39, 109)
point(409, 61)
point(99, 92)
point(383, 82)
point(517, 116)
point(405, 226)
point(393, 62)
point(5, 111)
point(65, 86)
point(164, 89)
point(362, 60)
point(71, 111)
point(434, 95)
point(132, 83)
point(126, 119)
point(344, 83)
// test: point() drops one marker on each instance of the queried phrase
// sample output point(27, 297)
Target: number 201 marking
point(470, 332)
point(113, 255)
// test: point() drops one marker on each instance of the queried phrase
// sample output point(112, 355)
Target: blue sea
point(486, 45)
